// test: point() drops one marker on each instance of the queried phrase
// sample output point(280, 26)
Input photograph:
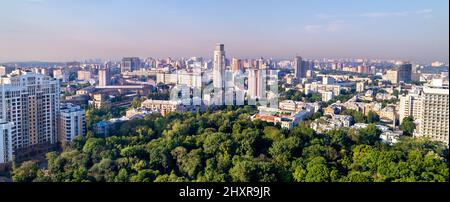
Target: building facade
point(404, 73)
point(6, 141)
point(71, 122)
point(31, 102)
point(104, 77)
point(299, 68)
point(434, 120)
point(130, 64)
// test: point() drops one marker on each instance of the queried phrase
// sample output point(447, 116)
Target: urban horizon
point(211, 94)
point(57, 31)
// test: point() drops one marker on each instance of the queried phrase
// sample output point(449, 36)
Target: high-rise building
point(219, 73)
point(404, 72)
point(219, 66)
point(236, 65)
point(104, 77)
point(71, 122)
point(256, 81)
point(30, 102)
point(130, 64)
point(410, 106)
point(434, 118)
point(5, 141)
point(299, 68)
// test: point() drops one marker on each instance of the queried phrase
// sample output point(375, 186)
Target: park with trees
point(226, 146)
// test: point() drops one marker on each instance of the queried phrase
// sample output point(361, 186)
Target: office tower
point(130, 64)
point(256, 84)
point(236, 65)
point(31, 102)
point(306, 66)
point(71, 122)
point(404, 72)
point(300, 68)
point(104, 77)
point(434, 120)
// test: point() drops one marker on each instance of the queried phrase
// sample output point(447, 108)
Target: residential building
point(327, 96)
point(434, 118)
point(31, 102)
point(104, 77)
point(84, 75)
point(71, 122)
point(360, 87)
point(6, 151)
point(392, 76)
point(410, 106)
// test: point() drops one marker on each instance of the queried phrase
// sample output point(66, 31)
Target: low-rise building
point(324, 124)
point(391, 137)
point(327, 96)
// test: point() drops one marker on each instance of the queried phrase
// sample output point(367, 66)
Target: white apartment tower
point(71, 122)
point(434, 120)
point(30, 103)
point(104, 77)
point(5, 141)
point(219, 72)
point(256, 84)
point(410, 106)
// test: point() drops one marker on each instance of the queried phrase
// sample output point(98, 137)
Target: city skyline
point(47, 30)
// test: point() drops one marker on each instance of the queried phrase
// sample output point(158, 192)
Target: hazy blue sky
point(60, 30)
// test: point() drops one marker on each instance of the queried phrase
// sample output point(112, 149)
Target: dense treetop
point(226, 146)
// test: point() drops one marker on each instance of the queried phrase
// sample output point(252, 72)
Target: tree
point(136, 102)
point(188, 147)
point(395, 93)
point(251, 170)
point(27, 172)
point(189, 163)
point(357, 116)
point(408, 126)
point(317, 170)
point(370, 135)
point(373, 117)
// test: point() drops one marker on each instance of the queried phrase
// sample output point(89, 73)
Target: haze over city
point(49, 30)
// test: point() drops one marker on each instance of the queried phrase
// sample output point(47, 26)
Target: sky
point(65, 30)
